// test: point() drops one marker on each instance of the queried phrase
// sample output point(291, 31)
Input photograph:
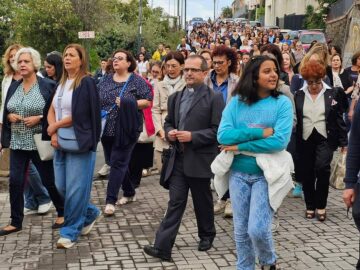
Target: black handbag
point(356, 206)
point(167, 160)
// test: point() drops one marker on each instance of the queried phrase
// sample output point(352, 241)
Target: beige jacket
point(232, 82)
point(159, 110)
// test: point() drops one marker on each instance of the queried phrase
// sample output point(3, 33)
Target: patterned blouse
point(109, 90)
point(24, 104)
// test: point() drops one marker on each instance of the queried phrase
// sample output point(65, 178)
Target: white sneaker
point(126, 200)
point(105, 170)
point(86, 230)
point(64, 243)
point(212, 186)
point(228, 213)
point(219, 207)
point(109, 210)
point(28, 211)
point(44, 208)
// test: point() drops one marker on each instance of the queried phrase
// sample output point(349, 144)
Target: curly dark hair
point(247, 87)
point(230, 55)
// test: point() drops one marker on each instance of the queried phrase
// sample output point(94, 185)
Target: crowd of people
point(226, 97)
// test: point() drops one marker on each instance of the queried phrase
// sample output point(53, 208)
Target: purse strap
point(121, 93)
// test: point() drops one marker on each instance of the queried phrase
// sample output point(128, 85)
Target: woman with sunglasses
point(124, 123)
point(320, 131)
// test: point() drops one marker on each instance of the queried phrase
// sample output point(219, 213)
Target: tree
point(314, 18)
point(226, 12)
point(46, 31)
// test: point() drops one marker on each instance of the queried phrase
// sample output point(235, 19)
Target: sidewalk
point(116, 243)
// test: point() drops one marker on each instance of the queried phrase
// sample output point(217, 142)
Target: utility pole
point(214, 9)
point(178, 15)
point(185, 14)
point(140, 26)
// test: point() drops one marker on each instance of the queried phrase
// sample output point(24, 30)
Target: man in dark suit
point(191, 126)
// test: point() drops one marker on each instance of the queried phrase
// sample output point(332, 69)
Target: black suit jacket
point(47, 90)
point(202, 120)
point(335, 125)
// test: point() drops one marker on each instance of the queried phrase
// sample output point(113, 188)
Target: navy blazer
point(47, 90)
point(86, 116)
point(202, 120)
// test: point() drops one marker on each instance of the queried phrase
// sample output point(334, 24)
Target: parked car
point(294, 34)
point(255, 24)
point(197, 20)
point(306, 37)
point(274, 27)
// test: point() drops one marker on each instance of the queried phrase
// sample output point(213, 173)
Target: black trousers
point(179, 186)
point(119, 158)
point(19, 163)
point(315, 157)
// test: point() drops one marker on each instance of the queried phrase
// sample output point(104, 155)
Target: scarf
point(173, 84)
point(337, 80)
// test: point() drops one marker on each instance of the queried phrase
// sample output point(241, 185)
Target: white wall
point(278, 8)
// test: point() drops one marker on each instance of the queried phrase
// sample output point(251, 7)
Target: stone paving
point(117, 242)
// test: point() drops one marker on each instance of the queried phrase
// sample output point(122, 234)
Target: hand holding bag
point(44, 148)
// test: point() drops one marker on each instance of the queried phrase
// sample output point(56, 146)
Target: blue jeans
point(73, 178)
point(252, 216)
point(35, 193)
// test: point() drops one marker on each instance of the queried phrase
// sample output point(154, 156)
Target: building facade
point(276, 10)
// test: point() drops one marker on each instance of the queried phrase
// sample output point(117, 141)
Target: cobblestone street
point(117, 242)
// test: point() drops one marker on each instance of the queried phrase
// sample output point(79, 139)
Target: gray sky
point(195, 8)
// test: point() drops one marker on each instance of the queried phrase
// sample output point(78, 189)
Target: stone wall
point(345, 32)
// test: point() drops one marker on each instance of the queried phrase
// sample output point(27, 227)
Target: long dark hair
point(55, 60)
point(247, 88)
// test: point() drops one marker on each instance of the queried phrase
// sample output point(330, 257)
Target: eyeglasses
point(310, 83)
point(218, 63)
point(119, 58)
point(193, 70)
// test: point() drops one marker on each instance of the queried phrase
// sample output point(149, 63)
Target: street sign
point(86, 34)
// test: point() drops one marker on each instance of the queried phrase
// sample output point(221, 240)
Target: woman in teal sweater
point(258, 119)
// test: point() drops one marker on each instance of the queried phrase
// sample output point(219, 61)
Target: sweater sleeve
point(282, 132)
point(353, 154)
point(228, 134)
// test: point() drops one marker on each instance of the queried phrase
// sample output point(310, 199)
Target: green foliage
point(314, 19)
point(46, 25)
point(226, 12)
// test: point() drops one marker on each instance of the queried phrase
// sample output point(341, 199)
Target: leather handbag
point(167, 159)
point(44, 148)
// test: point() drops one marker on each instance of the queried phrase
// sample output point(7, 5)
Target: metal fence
point(340, 8)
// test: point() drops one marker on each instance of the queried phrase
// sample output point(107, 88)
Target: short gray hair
point(204, 65)
point(34, 54)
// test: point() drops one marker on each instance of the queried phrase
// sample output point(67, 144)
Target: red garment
point(149, 124)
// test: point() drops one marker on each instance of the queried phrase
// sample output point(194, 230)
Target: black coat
point(335, 125)
point(202, 121)
point(47, 90)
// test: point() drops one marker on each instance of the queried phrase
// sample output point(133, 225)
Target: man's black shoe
point(157, 253)
point(204, 245)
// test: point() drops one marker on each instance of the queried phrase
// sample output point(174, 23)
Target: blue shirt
point(243, 125)
point(223, 88)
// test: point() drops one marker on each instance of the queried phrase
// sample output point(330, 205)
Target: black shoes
point(57, 226)
point(204, 245)
point(6, 232)
point(157, 253)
